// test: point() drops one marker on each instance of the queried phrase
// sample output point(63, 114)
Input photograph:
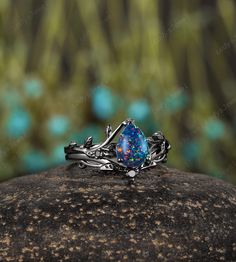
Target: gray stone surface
point(69, 214)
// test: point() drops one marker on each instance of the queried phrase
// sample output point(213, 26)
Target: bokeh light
point(67, 72)
point(58, 125)
point(33, 88)
point(139, 110)
point(34, 160)
point(214, 129)
point(103, 102)
point(17, 123)
point(191, 150)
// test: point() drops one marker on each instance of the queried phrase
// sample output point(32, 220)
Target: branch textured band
point(132, 152)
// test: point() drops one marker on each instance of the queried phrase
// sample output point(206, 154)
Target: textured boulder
point(85, 215)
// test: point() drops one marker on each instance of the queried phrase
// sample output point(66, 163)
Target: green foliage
point(177, 58)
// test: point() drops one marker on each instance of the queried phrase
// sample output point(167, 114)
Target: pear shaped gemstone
point(132, 146)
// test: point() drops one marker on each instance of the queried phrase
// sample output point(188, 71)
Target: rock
point(85, 215)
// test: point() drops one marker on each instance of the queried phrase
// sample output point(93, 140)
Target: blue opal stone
point(132, 146)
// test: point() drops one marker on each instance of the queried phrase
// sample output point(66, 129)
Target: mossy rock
point(69, 214)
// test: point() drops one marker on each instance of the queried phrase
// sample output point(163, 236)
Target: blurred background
point(68, 68)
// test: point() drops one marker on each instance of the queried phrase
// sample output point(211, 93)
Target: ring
point(132, 152)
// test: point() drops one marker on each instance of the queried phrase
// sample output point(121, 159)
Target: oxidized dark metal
point(103, 155)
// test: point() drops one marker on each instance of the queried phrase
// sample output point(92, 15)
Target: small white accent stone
point(131, 173)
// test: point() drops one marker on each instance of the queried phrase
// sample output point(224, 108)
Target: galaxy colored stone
point(132, 146)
